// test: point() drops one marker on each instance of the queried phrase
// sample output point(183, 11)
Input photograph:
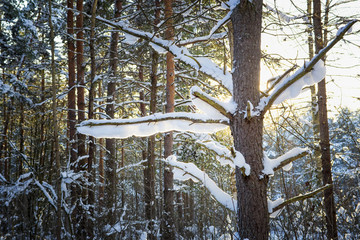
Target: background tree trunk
point(110, 170)
point(253, 216)
point(329, 202)
point(55, 126)
point(149, 171)
point(92, 146)
point(71, 83)
point(168, 228)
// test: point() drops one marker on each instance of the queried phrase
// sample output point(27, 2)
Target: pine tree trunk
point(71, 83)
point(92, 147)
point(149, 171)
point(168, 228)
point(329, 202)
point(80, 80)
point(110, 170)
point(80, 166)
point(253, 216)
point(55, 126)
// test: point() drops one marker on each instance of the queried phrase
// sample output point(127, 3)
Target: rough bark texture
point(80, 166)
point(110, 170)
point(55, 125)
point(253, 217)
point(314, 103)
point(168, 229)
point(71, 82)
point(149, 171)
point(92, 146)
point(80, 80)
point(329, 203)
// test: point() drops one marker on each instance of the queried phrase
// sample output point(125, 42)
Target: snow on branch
point(298, 198)
point(184, 171)
point(47, 195)
point(272, 165)
point(232, 4)
point(202, 64)
point(311, 73)
point(224, 154)
point(210, 105)
point(231, 157)
point(149, 125)
point(216, 36)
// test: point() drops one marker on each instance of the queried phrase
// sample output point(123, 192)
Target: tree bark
point(92, 147)
point(55, 126)
point(168, 228)
point(149, 171)
point(80, 80)
point(329, 202)
point(81, 161)
point(110, 170)
point(253, 216)
point(71, 82)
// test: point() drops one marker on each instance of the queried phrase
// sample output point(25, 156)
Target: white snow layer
point(316, 75)
point(239, 161)
point(150, 125)
point(191, 170)
point(130, 39)
point(270, 164)
point(224, 155)
point(272, 205)
point(202, 64)
point(230, 106)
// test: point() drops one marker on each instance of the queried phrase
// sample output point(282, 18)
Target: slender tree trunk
point(168, 228)
point(81, 161)
point(149, 171)
point(314, 103)
point(329, 202)
point(21, 144)
point(80, 80)
point(110, 170)
point(55, 126)
point(92, 147)
point(71, 83)
point(253, 216)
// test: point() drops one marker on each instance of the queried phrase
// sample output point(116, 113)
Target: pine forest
point(169, 119)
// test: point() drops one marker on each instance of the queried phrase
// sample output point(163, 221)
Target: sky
point(343, 70)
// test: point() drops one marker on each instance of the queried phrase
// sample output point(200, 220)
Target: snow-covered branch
point(184, 171)
point(299, 198)
point(202, 64)
point(210, 105)
point(149, 125)
point(311, 73)
point(216, 36)
point(225, 157)
point(272, 165)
